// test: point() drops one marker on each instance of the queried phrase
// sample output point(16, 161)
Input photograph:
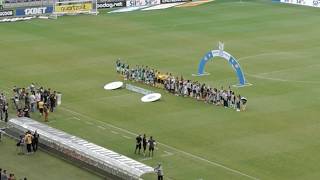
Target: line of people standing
point(143, 142)
point(182, 87)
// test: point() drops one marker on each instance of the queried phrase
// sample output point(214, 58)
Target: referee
point(144, 144)
point(138, 144)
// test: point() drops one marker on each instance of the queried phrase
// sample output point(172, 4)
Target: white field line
point(145, 159)
point(89, 123)
point(282, 80)
point(114, 132)
point(101, 127)
point(289, 69)
point(270, 53)
point(167, 146)
point(73, 117)
point(127, 137)
point(261, 54)
point(210, 162)
point(76, 118)
point(167, 154)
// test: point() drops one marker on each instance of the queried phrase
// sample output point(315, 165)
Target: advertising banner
point(111, 3)
point(173, 1)
point(34, 11)
point(313, 3)
point(74, 8)
point(6, 13)
point(137, 3)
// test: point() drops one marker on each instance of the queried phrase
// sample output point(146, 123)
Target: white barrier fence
point(313, 3)
point(105, 160)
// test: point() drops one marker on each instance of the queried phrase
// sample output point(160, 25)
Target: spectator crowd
point(179, 86)
point(32, 99)
point(4, 175)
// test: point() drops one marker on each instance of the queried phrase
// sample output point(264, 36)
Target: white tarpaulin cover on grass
point(113, 85)
point(162, 6)
point(151, 97)
point(128, 9)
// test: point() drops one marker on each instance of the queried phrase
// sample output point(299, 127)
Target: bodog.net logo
point(316, 3)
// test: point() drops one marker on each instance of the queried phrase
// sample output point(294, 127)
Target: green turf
point(277, 46)
point(38, 165)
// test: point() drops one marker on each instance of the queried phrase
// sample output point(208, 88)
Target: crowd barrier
point(101, 160)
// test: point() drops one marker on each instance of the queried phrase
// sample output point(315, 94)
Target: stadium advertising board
point(6, 13)
point(111, 3)
point(34, 11)
point(74, 8)
point(313, 3)
point(137, 3)
point(173, 1)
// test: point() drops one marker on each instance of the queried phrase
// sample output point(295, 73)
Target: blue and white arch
point(232, 61)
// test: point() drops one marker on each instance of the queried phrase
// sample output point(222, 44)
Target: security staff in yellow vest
point(28, 141)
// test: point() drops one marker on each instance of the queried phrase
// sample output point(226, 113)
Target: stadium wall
point(111, 4)
point(312, 3)
point(13, 8)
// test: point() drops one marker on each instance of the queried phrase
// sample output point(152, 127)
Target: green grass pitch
point(276, 44)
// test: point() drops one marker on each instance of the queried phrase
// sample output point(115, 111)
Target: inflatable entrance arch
point(232, 61)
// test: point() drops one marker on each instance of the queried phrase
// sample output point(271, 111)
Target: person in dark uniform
point(144, 144)
point(52, 99)
point(138, 144)
point(35, 141)
point(5, 110)
point(151, 143)
point(238, 102)
point(26, 112)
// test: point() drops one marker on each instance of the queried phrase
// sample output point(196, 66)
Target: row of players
point(182, 87)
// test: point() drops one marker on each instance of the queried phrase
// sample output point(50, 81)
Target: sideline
point(167, 146)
